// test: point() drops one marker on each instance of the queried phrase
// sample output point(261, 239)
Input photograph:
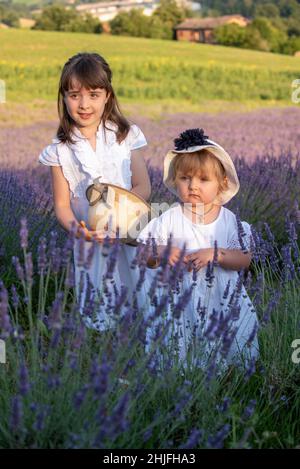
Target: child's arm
point(154, 262)
point(61, 199)
point(234, 259)
point(140, 179)
point(62, 206)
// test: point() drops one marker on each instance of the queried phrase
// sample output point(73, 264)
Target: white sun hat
point(192, 140)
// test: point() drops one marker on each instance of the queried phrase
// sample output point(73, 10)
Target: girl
point(93, 140)
point(218, 315)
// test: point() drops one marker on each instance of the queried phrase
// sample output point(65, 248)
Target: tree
point(58, 18)
point(131, 23)
point(230, 35)
point(169, 13)
point(274, 37)
point(268, 10)
point(84, 24)
point(55, 18)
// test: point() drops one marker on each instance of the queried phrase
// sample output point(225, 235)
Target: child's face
point(197, 188)
point(85, 106)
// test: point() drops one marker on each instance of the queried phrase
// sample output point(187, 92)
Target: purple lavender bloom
point(55, 318)
point(29, 268)
point(217, 441)
point(70, 277)
point(193, 439)
point(224, 406)
point(250, 369)
point(42, 411)
point(80, 396)
point(147, 434)
point(24, 386)
point(42, 256)
point(16, 417)
point(119, 418)
point(19, 269)
point(15, 297)
point(249, 410)
point(5, 323)
point(272, 304)
point(24, 233)
point(99, 375)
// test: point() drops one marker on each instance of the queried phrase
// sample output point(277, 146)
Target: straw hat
point(192, 140)
point(112, 207)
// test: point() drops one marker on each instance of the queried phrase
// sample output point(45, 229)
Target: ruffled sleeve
point(49, 156)
point(155, 230)
point(241, 238)
point(135, 138)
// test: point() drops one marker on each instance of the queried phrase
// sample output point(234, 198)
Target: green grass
point(149, 71)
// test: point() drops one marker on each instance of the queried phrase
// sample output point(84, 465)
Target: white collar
point(108, 134)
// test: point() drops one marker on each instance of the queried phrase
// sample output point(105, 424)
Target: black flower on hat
point(190, 138)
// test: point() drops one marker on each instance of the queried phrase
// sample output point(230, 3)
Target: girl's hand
point(82, 230)
point(174, 256)
point(199, 259)
point(97, 235)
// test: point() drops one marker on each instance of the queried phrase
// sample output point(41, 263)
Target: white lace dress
point(81, 165)
point(209, 302)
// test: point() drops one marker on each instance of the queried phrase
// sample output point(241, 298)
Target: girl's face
point(197, 188)
point(85, 106)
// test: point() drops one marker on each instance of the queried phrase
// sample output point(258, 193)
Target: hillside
point(148, 70)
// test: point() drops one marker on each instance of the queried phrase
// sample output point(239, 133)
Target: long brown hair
point(92, 71)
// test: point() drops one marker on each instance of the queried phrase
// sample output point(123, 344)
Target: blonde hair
point(203, 162)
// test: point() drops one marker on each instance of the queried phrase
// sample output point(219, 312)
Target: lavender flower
point(249, 410)
point(217, 441)
point(16, 418)
point(24, 233)
point(24, 385)
point(5, 323)
point(193, 439)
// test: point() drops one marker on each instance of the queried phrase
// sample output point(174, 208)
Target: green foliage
point(230, 35)
point(160, 25)
point(250, 8)
point(169, 13)
point(269, 10)
point(58, 18)
point(261, 34)
point(9, 17)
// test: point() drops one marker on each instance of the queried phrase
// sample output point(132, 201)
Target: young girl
point(93, 140)
point(218, 317)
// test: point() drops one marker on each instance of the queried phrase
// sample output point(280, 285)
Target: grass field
point(180, 75)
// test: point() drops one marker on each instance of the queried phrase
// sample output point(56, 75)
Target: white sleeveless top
point(81, 164)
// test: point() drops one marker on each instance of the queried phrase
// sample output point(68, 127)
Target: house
point(106, 11)
point(201, 29)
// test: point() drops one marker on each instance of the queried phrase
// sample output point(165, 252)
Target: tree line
point(274, 25)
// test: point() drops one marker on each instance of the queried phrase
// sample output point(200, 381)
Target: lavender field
point(61, 384)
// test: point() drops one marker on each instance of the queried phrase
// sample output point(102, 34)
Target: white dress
point(81, 165)
point(206, 304)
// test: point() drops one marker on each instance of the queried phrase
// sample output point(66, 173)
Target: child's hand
point(82, 230)
point(100, 235)
point(97, 235)
point(174, 256)
point(199, 259)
